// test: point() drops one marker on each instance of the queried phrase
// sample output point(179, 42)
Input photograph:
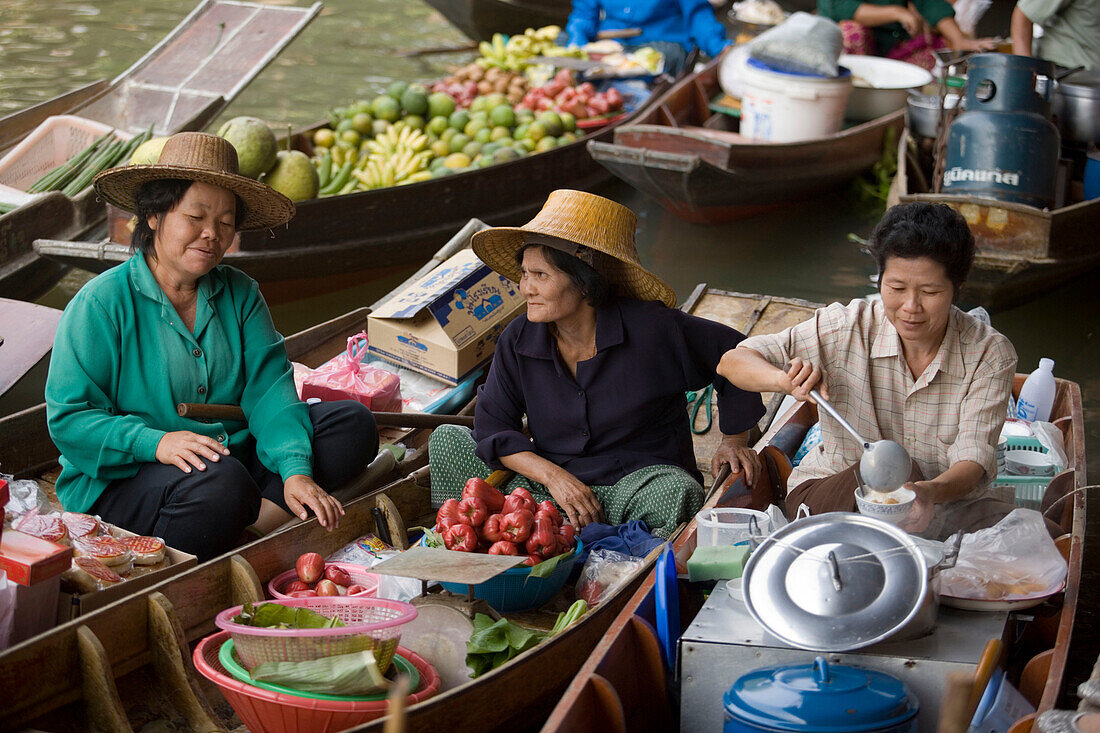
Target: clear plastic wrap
point(805, 44)
point(1014, 559)
point(604, 572)
point(23, 496)
point(346, 377)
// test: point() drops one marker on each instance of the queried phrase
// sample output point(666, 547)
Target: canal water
point(353, 50)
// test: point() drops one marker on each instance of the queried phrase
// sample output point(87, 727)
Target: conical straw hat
point(198, 156)
point(576, 217)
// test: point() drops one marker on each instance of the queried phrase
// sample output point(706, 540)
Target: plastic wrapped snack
point(346, 377)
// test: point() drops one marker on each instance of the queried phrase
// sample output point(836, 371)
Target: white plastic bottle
point(1037, 395)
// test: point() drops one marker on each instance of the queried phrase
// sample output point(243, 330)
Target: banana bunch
point(394, 141)
point(513, 53)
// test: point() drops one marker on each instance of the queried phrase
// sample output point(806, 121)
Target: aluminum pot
point(937, 560)
point(1076, 103)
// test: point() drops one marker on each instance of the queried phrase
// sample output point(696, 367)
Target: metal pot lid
point(835, 582)
point(1081, 84)
point(821, 697)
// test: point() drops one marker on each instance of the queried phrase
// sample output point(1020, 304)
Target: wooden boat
point(618, 688)
point(335, 242)
point(692, 160)
point(1022, 251)
point(169, 89)
point(136, 651)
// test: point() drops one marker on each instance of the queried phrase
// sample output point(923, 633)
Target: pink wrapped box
point(345, 377)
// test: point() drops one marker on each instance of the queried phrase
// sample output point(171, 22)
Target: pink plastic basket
point(359, 574)
point(371, 623)
point(264, 711)
point(53, 142)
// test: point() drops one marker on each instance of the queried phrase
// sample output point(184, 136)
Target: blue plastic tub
point(515, 590)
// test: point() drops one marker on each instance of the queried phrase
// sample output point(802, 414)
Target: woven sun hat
point(198, 156)
point(601, 227)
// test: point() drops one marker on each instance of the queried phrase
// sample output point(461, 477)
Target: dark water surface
point(49, 46)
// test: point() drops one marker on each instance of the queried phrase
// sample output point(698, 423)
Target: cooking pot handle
point(821, 670)
point(951, 555)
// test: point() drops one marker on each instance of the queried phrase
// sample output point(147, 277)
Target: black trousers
point(204, 512)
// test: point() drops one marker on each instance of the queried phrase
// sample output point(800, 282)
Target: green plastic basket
point(1027, 490)
point(228, 657)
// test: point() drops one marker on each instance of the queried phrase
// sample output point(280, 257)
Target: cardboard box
point(447, 323)
point(71, 605)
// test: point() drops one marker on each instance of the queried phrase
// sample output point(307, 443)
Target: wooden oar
point(200, 411)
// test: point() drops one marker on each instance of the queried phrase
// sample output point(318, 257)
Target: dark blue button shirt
point(626, 408)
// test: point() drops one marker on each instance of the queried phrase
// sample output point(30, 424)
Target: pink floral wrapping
point(345, 377)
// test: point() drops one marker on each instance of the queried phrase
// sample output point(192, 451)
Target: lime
point(350, 136)
point(447, 134)
point(520, 148)
point(505, 141)
point(361, 123)
point(359, 107)
point(481, 114)
point(386, 108)
point(442, 171)
point(505, 154)
point(456, 160)
point(440, 148)
point(568, 121)
point(536, 131)
point(520, 132)
point(472, 148)
point(437, 125)
point(459, 119)
point(490, 148)
point(483, 135)
point(440, 104)
point(415, 100)
point(494, 100)
point(552, 122)
point(378, 127)
point(566, 137)
point(547, 143)
point(528, 144)
point(396, 89)
point(474, 125)
point(416, 122)
point(499, 131)
point(345, 125)
point(503, 115)
point(324, 137)
point(458, 142)
point(525, 117)
point(478, 105)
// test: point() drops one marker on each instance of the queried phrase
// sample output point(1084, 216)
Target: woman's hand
point(911, 21)
point(800, 377)
point(735, 451)
point(184, 449)
point(974, 44)
point(574, 497)
point(301, 491)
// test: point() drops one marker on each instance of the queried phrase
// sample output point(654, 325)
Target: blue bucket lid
point(822, 697)
point(842, 71)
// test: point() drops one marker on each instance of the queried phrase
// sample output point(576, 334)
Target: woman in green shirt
point(171, 325)
point(900, 30)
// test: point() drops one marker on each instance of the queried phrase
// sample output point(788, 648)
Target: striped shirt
point(953, 412)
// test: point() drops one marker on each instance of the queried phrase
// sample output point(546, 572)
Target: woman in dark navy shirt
point(599, 366)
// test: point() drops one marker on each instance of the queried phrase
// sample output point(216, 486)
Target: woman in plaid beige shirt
point(912, 368)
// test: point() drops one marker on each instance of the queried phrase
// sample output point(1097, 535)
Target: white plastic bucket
point(730, 526)
point(782, 107)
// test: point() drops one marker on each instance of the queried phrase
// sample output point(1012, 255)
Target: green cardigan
point(123, 359)
point(889, 35)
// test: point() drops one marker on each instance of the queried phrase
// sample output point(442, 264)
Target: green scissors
point(696, 400)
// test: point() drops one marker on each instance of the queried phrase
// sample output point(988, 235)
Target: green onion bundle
point(74, 175)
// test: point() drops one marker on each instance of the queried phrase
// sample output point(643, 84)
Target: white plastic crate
point(56, 140)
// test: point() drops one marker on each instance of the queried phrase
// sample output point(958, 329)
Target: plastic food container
point(264, 711)
point(515, 590)
point(785, 107)
point(730, 526)
point(371, 623)
point(359, 574)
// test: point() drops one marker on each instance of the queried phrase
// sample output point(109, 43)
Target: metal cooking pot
point(937, 559)
point(1076, 103)
point(842, 581)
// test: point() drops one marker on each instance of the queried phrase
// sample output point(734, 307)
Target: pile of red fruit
point(317, 579)
point(581, 101)
point(485, 520)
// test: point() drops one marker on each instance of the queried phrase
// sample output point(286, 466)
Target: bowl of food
point(889, 506)
point(1028, 463)
point(880, 86)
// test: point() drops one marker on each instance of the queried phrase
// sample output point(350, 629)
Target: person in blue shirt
point(673, 27)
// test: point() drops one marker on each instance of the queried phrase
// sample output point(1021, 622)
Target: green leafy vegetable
point(571, 616)
point(431, 537)
point(494, 643)
point(275, 616)
point(549, 565)
point(344, 674)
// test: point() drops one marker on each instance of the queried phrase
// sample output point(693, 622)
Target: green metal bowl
point(228, 658)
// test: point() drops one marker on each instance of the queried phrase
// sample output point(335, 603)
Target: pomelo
point(148, 152)
point(294, 176)
point(254, 142)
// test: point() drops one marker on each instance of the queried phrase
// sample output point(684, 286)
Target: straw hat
point(198, 156)
point(571, 218)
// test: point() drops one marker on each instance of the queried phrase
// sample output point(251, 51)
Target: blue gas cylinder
point(1003, 146)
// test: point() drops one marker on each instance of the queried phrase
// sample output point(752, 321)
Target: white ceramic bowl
point(892, 513)
point(1028, 463)
point(889, 84)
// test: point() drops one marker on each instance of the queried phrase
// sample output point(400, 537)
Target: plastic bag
point(1051, 437)
point(365, 551)
point(731, 71)
point(346, 377)
point(23, 496)
point(394, 587)
point(806, 44)
point(604, 572)
point(1012, 560)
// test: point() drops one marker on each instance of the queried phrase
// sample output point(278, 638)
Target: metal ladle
point(885, 464)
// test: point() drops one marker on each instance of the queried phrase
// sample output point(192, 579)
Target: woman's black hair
point(921, 229)
point(594, 287)
point(157, 198)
